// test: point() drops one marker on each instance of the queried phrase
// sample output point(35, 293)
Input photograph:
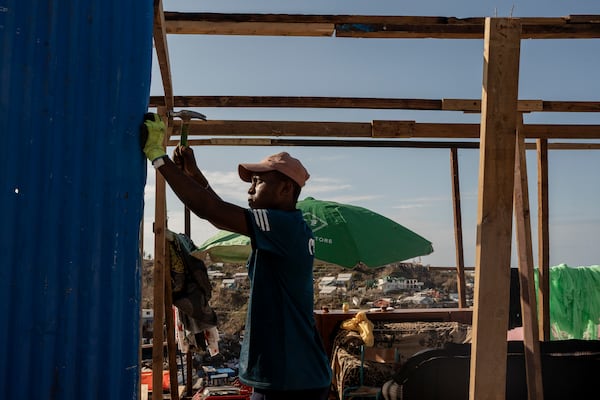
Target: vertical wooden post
point(495, 207)
point(160, 253)
point(170, 327)
point(533, 363)
point(141, 247)
point(543, 241)
point(159, 288)
point(189, 384)
point(458, 239)
point(188, 356)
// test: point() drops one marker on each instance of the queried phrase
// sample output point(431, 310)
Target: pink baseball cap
point(282, 162)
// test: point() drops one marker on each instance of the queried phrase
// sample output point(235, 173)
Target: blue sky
point(410, 186)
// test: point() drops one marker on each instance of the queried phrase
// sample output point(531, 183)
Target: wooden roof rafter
point(162, 53)
point(414, 144)
point(378, 129)
point(373, 26)
point(465, 105)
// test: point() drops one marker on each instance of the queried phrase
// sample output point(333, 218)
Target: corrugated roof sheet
point(74, 84)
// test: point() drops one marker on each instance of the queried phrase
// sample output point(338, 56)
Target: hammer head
point(186, 115)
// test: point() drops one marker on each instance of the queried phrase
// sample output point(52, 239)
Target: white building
point(389, 284)
point(328, 290)
point(228, 283)
point(344, 279)
point(215, 275)
point(326, 281)
point(240, 276)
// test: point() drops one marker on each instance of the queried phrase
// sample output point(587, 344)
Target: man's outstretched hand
point(152, 135)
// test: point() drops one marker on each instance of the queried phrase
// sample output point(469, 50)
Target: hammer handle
point(184, 133)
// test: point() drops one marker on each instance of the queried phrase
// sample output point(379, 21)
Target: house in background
point(391, 285)
point(344, 279)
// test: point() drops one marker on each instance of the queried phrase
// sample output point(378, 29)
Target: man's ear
point(287, 188)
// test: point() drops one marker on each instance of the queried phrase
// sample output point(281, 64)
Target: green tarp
point(574, 302)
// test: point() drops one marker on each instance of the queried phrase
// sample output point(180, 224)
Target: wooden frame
point(497, 135)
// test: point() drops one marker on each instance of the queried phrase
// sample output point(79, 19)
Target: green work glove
point(154, 132)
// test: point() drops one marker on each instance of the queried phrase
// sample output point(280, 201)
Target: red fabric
point(147, 380)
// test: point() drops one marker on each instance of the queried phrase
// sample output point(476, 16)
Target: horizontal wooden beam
point(566, 146)
point(473, 31)
point(250, 28)
point(278, 128)
point(373, 26)
point(301, 102)
point(418, 144)
point(332, 19)
point(540, 131)
point(376, 129)
point(465, 105)
point(571, 106)
point(474, 105)
point(329, 143)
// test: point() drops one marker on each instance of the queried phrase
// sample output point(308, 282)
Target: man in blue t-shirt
point(282, 355)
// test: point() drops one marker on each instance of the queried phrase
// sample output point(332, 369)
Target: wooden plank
point(458, 235)
point(495, 206)
point(565, 31)
point(393, 129)
point(411, 129)
point(583, 19)
point(280, 128)
point(412, 31)
point(330, 18)
point(230, 142)
point(188, 356)
point(373, 26)
point(301, 102)
point(378, 129)
point(562, 131)
point(162, 53)
point(159, 284)
point(160, 223)
point(329, 143)
point(543, 240)
point(465, 105)
point(533, 362)
point(449, 131)
point(249, 28)
point(474, 105)
point(170, 328)
point(189, 382)
point(471, 105)
point(371, 19)
point(415, 144)
point(570, 146)
point(571, 106)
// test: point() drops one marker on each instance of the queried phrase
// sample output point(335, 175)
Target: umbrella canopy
point(225, 246)
point(345, 235)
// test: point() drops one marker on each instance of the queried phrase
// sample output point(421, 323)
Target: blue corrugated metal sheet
point(74, 85)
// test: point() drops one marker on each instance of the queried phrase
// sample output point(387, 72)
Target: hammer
point(186, 116)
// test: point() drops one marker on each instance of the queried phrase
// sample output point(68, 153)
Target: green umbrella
point(225, 246)
point(345, 235)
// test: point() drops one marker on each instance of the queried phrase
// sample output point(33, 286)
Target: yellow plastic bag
point(361, 324)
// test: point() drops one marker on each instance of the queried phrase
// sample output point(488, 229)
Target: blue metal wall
point(74, 85)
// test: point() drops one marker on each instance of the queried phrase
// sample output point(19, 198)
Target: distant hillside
point(230, 304)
